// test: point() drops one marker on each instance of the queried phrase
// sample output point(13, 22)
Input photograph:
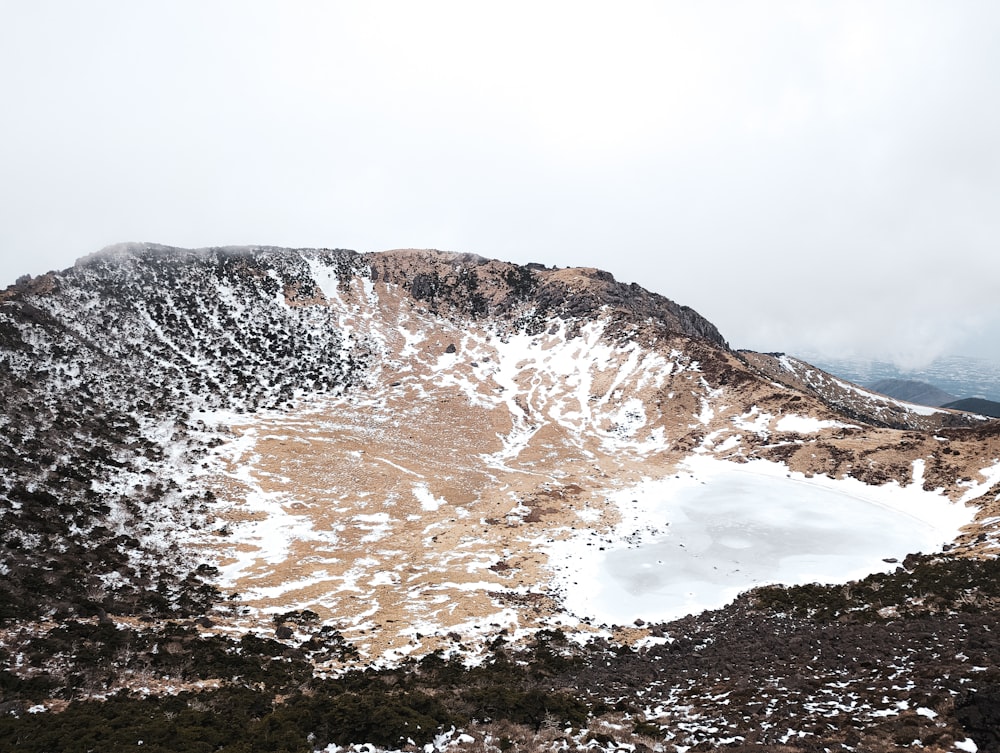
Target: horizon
point(801, 175)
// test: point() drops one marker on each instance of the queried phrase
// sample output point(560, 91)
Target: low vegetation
point(922, 584)
point(109, 634)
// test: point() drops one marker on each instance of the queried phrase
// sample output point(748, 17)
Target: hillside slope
point(976, 405)
point(368, 457)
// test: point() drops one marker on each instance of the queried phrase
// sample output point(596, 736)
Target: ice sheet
point(696, 540)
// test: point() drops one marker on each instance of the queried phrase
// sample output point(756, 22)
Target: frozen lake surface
point(694, 541)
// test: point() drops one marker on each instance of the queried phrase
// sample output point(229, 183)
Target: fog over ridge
point(806, 177)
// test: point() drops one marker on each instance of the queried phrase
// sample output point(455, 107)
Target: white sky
point(820, 175)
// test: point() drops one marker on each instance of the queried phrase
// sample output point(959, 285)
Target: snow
point(992, 476)
point(411, 340)
point(377, 524)
point(273, 592)
point(806, 424)
point(707, 412)
point(384, 578)
point(428, 502)
point(271, 536)
point(695, 541)
point(753, 421)
point(399, 467)
point(325, 278)
point(894, 710)
point(968, 745)
point(269, 533)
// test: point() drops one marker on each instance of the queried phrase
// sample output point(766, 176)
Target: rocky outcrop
point(481, 287)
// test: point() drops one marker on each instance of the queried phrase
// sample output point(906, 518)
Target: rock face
point(389, 442)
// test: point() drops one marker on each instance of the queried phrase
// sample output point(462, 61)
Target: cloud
point(799, 173)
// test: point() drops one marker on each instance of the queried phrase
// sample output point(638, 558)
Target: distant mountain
point(976, 405)
point(913, 391)
point(957, 375)
point(848, 399)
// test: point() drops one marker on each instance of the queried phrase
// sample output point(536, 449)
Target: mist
point(803, 175)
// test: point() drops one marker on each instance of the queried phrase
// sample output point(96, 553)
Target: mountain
point(913, 391)
point(976, 405)
point(956, 375)
point(299, 499)
point(851, 400)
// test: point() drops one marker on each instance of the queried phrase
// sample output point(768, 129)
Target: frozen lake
point(695, 541)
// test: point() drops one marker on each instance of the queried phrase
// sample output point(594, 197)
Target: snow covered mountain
point(365, 459)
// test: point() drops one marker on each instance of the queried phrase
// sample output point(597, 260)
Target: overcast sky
point(821, 176)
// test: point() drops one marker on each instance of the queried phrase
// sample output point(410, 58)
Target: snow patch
point(428, 502)
point(807, 424)
point(326, 279)
point(992, 476)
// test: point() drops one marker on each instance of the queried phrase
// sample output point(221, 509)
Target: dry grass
point(430, 534)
